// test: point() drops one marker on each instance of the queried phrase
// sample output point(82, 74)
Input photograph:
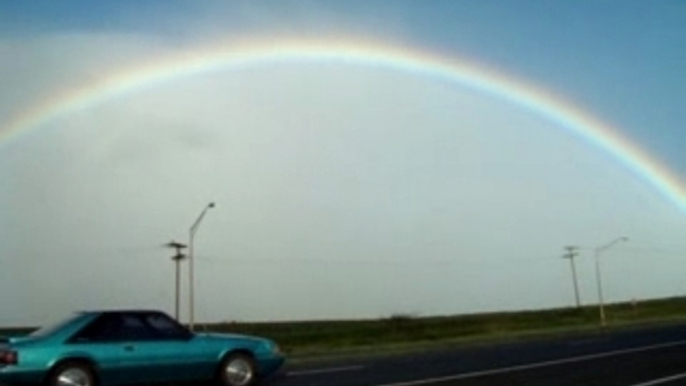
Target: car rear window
point(53, 328)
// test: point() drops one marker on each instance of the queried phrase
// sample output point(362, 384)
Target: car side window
point(132, 328)
point(102, 329)
point(115, 328)
point(166, 328)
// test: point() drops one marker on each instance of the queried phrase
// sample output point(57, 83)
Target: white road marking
point(530, 366)
point(324, 371)
point(662, 380)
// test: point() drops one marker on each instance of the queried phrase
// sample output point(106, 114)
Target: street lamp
point(597, 253)
point(194, 228)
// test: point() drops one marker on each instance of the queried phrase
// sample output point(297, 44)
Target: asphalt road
point(641, 357)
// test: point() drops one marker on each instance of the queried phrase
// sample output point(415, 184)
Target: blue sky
point(623, 57)
point(341, 181)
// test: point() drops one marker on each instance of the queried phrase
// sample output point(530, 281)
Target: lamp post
point(191, 280)
point(599, 283)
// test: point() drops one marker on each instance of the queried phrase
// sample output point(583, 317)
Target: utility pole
point(177, 258)
point(191, 258)
point(573, 251)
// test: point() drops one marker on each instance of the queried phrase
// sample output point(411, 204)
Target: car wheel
point(72, 374)
point(238, 370)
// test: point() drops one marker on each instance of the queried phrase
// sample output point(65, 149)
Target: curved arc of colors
point(235, 57)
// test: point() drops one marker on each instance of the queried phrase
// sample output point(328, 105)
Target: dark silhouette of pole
point(191, 258)
point(177, 258)
point(572, 252)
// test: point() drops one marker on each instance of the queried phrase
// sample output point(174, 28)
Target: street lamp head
point(624, 238)
point(211, 205)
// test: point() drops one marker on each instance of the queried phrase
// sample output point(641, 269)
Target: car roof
point(121, 311)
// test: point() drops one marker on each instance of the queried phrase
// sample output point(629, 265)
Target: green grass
point(15, 331)
point(302, 338)
point(401, 332)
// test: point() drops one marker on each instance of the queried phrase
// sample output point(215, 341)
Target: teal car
point(133, 347)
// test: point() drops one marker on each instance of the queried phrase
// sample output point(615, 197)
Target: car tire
point(237, 370)
point(72, 374)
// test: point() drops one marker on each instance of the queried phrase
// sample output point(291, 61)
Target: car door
point(140, 358)
point(157, 349)
point(180, 356)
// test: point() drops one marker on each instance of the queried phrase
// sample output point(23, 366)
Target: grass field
point(404, 332)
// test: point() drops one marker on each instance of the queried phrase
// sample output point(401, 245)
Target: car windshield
point(52, 328)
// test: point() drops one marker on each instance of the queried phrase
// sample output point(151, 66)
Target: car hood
point(218, 336)
point(253, 343)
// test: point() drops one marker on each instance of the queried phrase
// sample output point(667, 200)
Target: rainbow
point(235, 56)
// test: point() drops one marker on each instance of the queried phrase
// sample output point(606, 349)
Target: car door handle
point(128, 348)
